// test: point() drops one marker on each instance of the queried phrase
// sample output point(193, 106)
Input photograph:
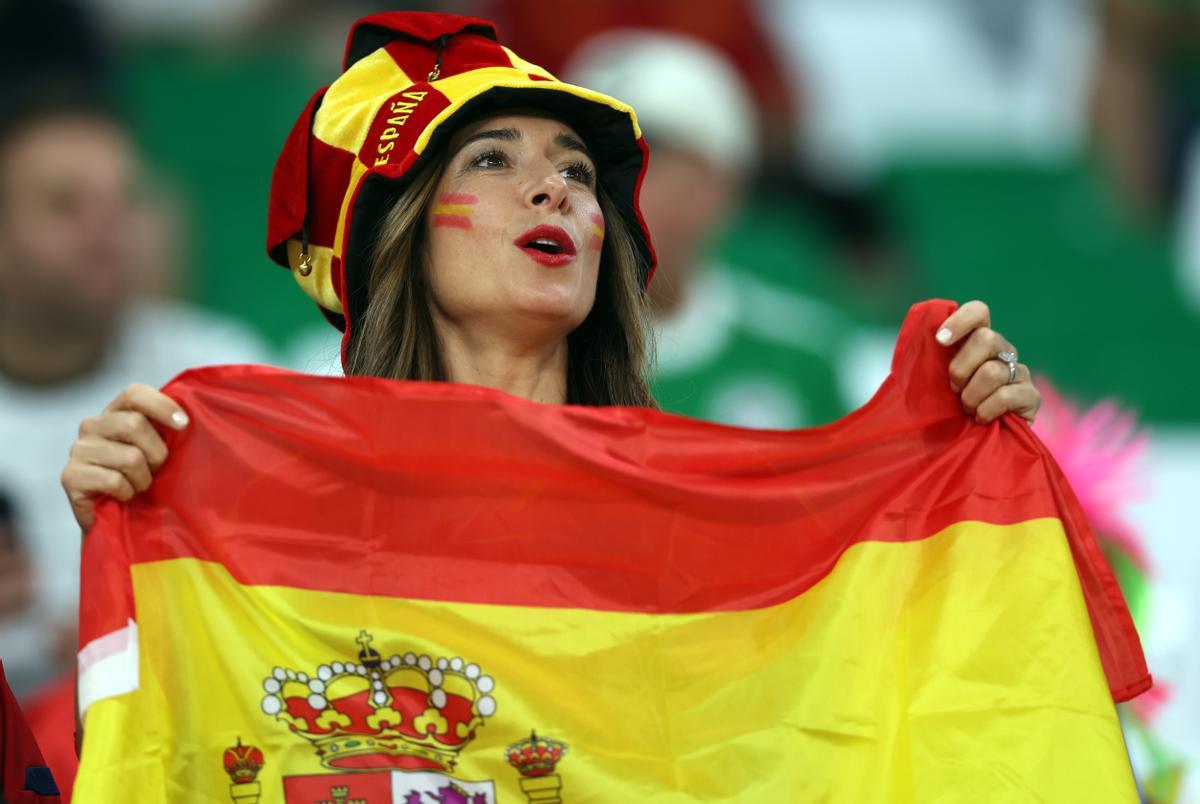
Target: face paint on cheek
point(454, 210)
point(597, 230)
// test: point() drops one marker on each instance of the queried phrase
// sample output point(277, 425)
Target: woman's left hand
point(977, 373)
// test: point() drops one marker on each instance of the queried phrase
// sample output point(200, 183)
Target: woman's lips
point(549, 260)
point(551, 237)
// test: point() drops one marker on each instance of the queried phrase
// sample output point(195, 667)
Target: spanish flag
point(357, 590)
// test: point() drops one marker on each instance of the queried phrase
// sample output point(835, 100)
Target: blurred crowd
point(816, 167)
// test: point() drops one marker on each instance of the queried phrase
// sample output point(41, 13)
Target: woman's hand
point(978, 374)
point(119, 451)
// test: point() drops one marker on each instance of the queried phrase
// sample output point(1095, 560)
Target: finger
point(86, 481)
point(987, 379)
point(969, 317)
point(130, 427)
point(151, 402)
point(983, 345)
point(127, 459)
point(1021, 398)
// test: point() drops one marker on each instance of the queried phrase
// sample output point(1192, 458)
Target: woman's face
point(515, 229)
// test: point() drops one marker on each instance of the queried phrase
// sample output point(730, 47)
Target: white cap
point(687, 93)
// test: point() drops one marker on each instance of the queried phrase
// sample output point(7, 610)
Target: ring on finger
point(1009, 357)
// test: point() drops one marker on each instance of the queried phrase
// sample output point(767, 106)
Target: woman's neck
point(533, 371)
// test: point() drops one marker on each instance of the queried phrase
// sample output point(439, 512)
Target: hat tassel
point(437, 62)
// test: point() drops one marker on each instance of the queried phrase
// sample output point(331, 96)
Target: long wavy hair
point(608, 354)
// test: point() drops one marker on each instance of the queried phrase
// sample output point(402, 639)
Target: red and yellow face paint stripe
point(597, 230)
point(454, 210)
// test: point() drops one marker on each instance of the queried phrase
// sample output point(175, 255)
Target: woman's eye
point(579, 171)
point(491, 159)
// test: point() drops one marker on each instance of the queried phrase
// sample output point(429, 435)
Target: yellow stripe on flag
point(958, 667)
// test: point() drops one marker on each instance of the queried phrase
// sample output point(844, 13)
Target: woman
point(479, 226)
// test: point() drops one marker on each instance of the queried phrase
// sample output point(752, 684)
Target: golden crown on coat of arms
point(535, 756)
point(411, 712)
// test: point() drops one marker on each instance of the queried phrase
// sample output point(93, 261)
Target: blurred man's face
point(66, 192)
point(684, 199)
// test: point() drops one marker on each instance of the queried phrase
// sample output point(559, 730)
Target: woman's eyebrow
point(562, 140)
point(505, 134)
point(565, 140)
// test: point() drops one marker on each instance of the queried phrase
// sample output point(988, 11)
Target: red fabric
point(20, 750)
point(373, 31)
point(459, 55)
point(637, 208)
point(642, 505)
point(51, 715)
point(331, 167)
point(289, 183)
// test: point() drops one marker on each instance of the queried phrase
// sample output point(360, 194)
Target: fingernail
point(179, 419)
point(954, 386)
point(944, 335)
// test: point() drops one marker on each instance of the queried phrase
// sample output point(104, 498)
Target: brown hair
point(607, 354)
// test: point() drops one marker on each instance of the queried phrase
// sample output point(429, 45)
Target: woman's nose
point(548, 192)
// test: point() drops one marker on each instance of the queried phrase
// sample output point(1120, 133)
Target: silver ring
point(1011, 359)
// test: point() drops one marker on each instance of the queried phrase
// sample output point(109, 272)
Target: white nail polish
point(179, 419)
point(944, 335)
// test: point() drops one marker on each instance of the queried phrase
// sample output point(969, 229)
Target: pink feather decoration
point(1100, 451)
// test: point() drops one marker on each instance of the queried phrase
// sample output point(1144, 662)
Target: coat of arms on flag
point(389, 730)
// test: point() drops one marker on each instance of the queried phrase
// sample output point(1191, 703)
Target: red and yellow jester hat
point(408, 81)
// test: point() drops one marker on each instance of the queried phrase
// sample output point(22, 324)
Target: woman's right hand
point(118, 452)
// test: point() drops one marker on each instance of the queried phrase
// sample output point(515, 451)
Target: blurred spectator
point(732, 346)
point(884, 77)
point(1147, 99)
point(1147, 117)
point(72, 332)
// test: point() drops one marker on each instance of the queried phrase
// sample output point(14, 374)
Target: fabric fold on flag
point(419, 592)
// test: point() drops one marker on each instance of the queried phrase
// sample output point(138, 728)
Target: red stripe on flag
point(479, 496)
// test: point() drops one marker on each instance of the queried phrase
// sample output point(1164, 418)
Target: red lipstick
point(549, 245)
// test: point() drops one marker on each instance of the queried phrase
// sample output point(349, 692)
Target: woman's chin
point(560, 314)
point(554, 302)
